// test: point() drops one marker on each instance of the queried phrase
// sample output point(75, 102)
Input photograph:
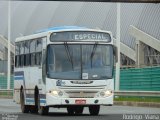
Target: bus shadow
point(84, 116)
point(62, 114)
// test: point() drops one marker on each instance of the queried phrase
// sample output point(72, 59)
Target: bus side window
point(21, 54)
point(17, 52)
point(32, 51)
point(38, 51)
point(27, 56)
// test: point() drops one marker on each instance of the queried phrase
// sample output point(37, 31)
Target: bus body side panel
point(29, 77)
point(31, 82)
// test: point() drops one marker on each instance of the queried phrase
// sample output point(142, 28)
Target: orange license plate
point(80, 101)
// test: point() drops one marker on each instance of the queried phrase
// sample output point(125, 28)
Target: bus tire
point(70, 110)
point(33, 109)
point(24, 108)
point(94, 109)
point(79, 109)
point(42, 110)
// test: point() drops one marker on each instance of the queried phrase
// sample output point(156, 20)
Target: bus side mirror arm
point(115, 52)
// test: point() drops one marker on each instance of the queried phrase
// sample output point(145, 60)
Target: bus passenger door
point(43, 62)
point(39, 62)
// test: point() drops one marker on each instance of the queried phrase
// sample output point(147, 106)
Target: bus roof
point(61, 28)
point(43, 32)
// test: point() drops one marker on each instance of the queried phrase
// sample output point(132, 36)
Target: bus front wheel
point(42, 110)
point(79, 109)
point(70, 110)
point(75, 110)
point(94, 109)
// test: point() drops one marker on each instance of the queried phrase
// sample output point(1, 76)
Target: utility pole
point(117, 81)
point(9, 42)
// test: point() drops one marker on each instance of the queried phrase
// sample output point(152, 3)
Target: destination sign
point(80, 35)
point(93, 36)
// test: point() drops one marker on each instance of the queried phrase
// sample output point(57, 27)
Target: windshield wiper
point(68, 53)
point(93, 52)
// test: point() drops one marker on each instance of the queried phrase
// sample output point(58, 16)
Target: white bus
point(64, 67)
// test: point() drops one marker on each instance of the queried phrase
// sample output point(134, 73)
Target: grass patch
point(5, 94)
point(116, 98)
point(137, 99)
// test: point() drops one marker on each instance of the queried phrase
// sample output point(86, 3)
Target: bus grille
point(81, 94)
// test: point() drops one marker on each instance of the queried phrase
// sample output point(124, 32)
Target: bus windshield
point(76, 62)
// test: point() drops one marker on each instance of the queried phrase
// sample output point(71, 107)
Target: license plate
point(80, 101)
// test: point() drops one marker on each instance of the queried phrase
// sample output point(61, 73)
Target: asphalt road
point(11, 111)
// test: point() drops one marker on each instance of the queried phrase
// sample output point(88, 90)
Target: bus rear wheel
point(33, 109)
point(24, 108)
point(94, 109)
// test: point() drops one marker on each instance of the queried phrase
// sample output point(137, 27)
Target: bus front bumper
point(53, 100)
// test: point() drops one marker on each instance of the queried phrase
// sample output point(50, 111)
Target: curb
point(137, 104)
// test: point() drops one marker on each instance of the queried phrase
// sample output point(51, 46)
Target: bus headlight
point(57, 93)
point(54, 92)
point(105, 93)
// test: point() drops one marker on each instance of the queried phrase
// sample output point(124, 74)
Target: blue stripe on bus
point(18, 78)
point(42, 96)
point(32, 100)
point(43, 101)
point(19, 75)
point(62, 28)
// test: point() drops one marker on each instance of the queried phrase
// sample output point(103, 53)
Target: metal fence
point(3, 75)
point(140, 79)
point(3, 82)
